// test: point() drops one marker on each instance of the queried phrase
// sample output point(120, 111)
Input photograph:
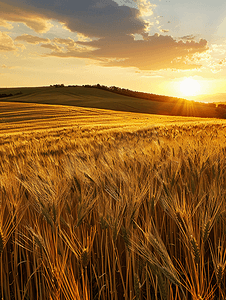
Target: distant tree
point(5, 95)
point(221, 111)
point(59, 85)
point(211, 105)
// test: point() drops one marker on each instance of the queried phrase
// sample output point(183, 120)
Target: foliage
point(9, 95)
point(221, 111)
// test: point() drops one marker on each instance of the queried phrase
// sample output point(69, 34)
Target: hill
point(105, 99)
point(214, 98)
point(17, 118)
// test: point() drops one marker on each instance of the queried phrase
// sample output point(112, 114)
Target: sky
point(170, 47)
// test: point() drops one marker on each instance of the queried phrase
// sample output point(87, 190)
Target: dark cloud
point(161, 52)
point(154, 53)
point(94, 18)
point(114, 26)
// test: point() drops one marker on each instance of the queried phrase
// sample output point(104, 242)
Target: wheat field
point(99, 205)
point(81, 96)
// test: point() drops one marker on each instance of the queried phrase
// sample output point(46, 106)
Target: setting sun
point(190, 87)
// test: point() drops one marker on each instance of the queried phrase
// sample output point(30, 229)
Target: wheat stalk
point(195, 249)
point(2, 240)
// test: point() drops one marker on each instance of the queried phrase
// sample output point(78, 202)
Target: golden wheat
point(114, 215)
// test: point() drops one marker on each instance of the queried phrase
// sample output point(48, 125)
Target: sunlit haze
point(190, 87)
point(173, 48)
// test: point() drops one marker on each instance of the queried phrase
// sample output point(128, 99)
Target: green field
point(108, 204)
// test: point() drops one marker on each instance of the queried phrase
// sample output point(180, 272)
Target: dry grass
point(114, 215)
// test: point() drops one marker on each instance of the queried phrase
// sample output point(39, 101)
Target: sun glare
point(190, 87)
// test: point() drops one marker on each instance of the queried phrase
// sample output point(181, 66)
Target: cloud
point(83, 38)
point(145, 7)
point(164, 30)
point(54, 48)
point(113, 26)
point(6, 43)
point(21, 46)
point(213, 60)
point(188, 37)
point(69, 42)
point(5, 24)
point(222, 62)
point(73, 47)
point(21, 14)
point(155, 53)
point(32, 39)
point(92, 18)
point(7, 67)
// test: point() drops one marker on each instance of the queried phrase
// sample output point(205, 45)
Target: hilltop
point(219, 98)
point(112, 98)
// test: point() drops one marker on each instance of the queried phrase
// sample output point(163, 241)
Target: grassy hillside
point(96, 98)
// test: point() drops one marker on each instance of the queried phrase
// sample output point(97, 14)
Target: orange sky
point(143, 45)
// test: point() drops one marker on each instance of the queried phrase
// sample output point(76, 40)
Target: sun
point(190, 87)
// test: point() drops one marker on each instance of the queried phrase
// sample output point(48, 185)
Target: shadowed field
point(96, 98)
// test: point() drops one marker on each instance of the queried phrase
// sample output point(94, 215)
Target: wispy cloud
point(188, 37)
point(8, 67)
point(212, 60)
point(54, 48)
point(5, 24)
point(164, 30)
point(6, 43)
point(31, 39)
